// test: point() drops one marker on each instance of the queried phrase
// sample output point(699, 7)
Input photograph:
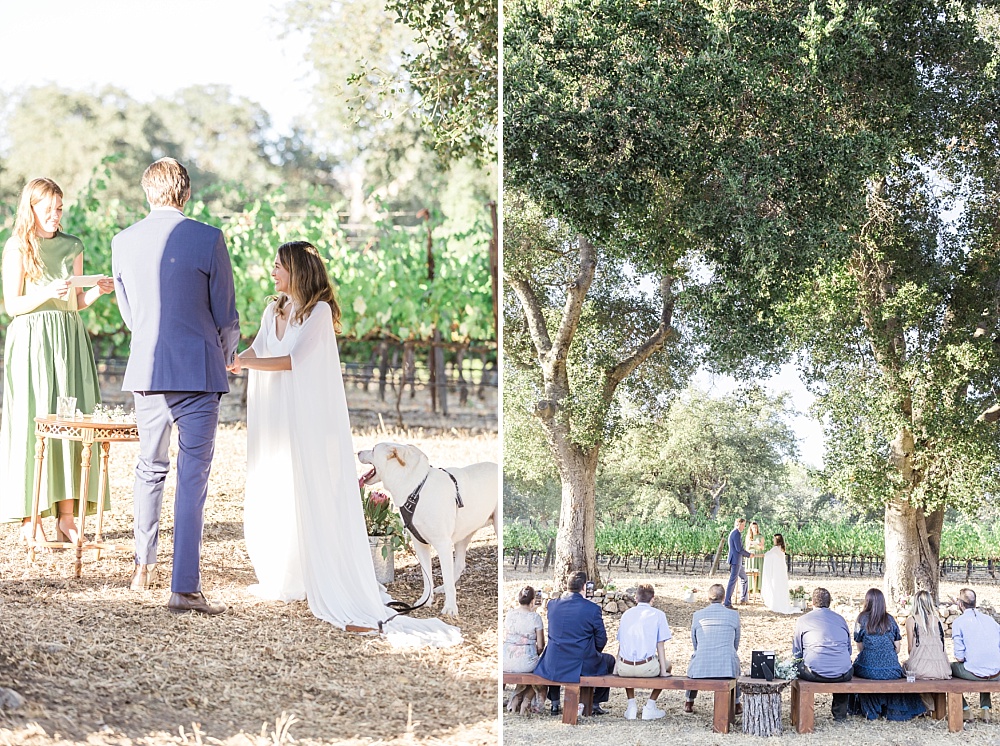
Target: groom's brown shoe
point(143, 577)
point(181, 602)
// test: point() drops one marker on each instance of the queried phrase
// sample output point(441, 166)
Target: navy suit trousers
point(736, 571)
point(196, 415)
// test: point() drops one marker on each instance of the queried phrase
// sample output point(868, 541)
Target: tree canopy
point(784, 167)
point(658, 155)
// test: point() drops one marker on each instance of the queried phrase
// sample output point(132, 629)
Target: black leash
point(406, 510)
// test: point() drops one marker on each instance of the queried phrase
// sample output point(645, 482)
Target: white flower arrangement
point(787, 668)
point(118, 415)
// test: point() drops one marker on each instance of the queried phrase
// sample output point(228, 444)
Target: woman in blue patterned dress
point(878, 638)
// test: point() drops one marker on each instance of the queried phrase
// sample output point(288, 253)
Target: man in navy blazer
point(576, 640)
point(736, 555)
point(174, 285)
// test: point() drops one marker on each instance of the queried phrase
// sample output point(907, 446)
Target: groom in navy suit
point(174, 285)
point(576, 640)
point(736, 571)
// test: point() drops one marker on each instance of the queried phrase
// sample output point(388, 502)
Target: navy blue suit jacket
point(575, 641)
point(174, 284)
point(736, 550)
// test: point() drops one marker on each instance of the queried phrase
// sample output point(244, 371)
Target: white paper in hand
point(84, 281)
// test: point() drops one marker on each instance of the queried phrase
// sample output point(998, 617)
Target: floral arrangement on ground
point(382, 519)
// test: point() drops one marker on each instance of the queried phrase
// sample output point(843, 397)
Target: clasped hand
point(59, 289)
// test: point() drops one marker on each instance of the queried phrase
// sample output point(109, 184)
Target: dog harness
point(408, 508)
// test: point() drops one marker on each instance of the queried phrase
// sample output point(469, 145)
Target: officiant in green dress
point(754, 566)
point(47, 354)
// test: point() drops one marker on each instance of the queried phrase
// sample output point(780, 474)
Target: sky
point(808, 430)
point(152, 48)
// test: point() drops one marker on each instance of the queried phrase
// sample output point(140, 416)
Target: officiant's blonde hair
point(308, 281)
point(24, 224)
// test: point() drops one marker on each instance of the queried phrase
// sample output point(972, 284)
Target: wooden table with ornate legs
point(87, 431)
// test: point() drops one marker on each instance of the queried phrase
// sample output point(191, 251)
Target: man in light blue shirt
point(823, 641)
point(977, 645)
point(642, 632)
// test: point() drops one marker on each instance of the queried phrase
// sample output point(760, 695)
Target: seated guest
point(823, 643)
point(641, 634)
point(925, 644)
point(878, 638)
point(576, 639)
point(523, 642)
point(715, 634)
point(977, 646)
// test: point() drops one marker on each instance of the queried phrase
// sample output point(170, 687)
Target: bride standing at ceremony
point(774, 581)
point(303, 519)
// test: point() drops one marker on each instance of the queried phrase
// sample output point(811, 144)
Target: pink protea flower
point(377, 498)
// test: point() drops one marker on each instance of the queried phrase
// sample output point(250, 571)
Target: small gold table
point(88, 431)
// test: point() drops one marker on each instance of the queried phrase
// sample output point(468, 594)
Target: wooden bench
point(947, 696)
point(724, 711)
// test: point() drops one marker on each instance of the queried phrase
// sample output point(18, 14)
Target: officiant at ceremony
point(47, 354)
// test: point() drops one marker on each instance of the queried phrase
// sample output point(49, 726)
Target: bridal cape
point(774, 582)
point(303, 520)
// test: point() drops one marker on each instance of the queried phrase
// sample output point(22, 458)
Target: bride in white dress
point(303, 519)
point(774, 579)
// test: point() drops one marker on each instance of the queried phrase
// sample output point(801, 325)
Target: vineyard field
point(678, 546)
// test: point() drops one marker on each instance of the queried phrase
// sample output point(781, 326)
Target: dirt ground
point(761, 630)
point(99, 664)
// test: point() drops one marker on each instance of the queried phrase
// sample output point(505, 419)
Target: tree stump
point(761, 705)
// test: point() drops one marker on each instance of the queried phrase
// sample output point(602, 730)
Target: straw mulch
point(99, 664)
point(761, 630)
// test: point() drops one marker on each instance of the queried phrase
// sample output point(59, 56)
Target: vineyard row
point(683, 541)
point(951, 568)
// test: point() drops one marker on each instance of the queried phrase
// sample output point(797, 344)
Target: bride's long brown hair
point(24, 223)
point(307, 281)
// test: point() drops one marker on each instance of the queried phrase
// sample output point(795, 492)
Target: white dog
point(437, 520)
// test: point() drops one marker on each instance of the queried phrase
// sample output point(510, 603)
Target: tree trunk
point(912, 549)
point(575, 541)
point(912, 539)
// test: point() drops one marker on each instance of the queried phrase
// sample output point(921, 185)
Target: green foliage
point(369, 120)
point(383, 291)
point(736, 446)
point(531, 481)
point(686, 143)
point(382, 519)
point(965, 540)
point(525, 537)
point(455, 71)
point(67, 134)
point(669, 465)
point(226, 137)
point(655, 538)
point(623, 308)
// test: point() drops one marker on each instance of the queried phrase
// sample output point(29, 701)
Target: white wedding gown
point(774, 582)
point(302, 517)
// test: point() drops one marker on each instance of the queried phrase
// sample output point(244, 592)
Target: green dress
point(47, 354)
point(754, 566)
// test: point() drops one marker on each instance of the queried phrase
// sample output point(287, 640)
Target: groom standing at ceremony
point(174, 284)
point(736, 555)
